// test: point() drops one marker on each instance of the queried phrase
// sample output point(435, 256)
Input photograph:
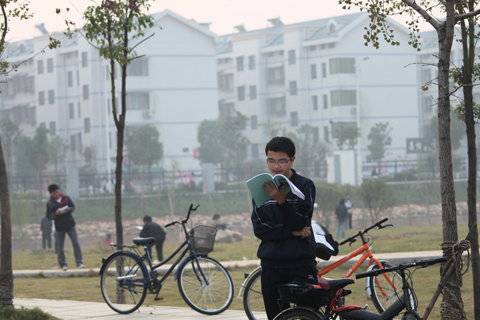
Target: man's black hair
point(52, 188)
point(342, 201)
point(147, 218)
point(281, 144)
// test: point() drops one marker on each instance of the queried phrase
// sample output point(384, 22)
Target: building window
point(324, 70)
point(428, 104)
point(226, 110)
point(241, 93)
point(325, 134)
point(79, 109)
point(41, 98)
point(253, 92)
point(293, 88)
point(325, 101)
point(78, 78)
point(315, 102)
point(70, 78)
point(53, 128)
point(71, 110)
point(40, 66)
point(343, 98)
point(84, 59)
point(294, 119)
point(276, 76)
point(331, 45)
point(313, 71)
point(138, 68)
point(110, 140)
point(50, 65)
point(291, 57)
point(240, 63)
point(225, 82)
point(51, 97)
point(316, 134)
point(254, 150)
point(86, 125)
point(73, 142)
point(313, 48)
point(276, 106)
point(86, 93)
point(251, 62)
point(254, 122)
point(79, 142)
point(138, 101)
point(342, 65)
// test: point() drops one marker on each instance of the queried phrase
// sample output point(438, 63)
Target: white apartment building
point(321, 73)
point(172, 86)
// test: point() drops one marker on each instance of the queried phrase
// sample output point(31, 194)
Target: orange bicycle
point(382, 289)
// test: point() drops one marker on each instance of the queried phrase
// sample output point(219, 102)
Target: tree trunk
point(452, 305)
point(118, 181)
point(468, 61)
point(6, 275)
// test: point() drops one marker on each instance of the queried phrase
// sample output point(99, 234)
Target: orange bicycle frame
point(367, 255)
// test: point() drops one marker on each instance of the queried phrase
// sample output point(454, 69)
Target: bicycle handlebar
point(420, 264)
point(184, 220)
point(377, 225)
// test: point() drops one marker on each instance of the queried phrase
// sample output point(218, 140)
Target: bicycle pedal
point(365, 307)
point(158, 299)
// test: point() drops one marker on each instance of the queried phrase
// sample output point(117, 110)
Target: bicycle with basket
point(127, 275)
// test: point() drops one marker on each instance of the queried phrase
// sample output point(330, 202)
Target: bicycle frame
point(189, 248)
point(367, 255)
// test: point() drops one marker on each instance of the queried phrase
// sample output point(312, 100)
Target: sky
point(223, 15)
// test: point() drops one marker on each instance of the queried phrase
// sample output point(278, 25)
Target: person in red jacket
point(59, 209)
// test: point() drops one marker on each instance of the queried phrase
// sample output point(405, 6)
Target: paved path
point(73, 310)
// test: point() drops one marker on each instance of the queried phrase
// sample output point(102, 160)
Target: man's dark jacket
point(274, 224)
point(152, 229)
point(64, 221)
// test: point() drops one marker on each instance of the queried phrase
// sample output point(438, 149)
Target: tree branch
point(467, 15)
point(133, 48)
point(433, 22)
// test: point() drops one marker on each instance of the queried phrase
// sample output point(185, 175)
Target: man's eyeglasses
point(280, 162)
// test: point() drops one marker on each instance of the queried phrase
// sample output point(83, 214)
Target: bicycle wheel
point(210, 299)
point(253, 298)
point(299, 314)
point(117, 281)
point(383, 294)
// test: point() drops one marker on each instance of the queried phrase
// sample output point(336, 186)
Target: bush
point(10, 313)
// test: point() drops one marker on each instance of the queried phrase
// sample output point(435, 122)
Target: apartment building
point(319, 73)
point(172, 85)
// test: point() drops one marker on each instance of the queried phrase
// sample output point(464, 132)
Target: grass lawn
point(396, 239)
point(88, 289)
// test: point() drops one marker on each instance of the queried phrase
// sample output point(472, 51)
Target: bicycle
point(327, 297)
point(204, 284)
point(382, 298)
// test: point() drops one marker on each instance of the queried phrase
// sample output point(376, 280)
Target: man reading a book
point(283, 224)
point(59, 209)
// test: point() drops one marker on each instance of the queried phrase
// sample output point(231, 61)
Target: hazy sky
point(223, 14)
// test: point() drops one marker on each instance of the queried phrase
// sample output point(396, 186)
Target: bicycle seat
point(143, 241)
point(334, 284)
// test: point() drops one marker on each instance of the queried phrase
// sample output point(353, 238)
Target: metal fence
point(225, 178)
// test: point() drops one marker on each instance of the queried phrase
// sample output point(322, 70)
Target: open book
point(63, 209)
point(260, 196)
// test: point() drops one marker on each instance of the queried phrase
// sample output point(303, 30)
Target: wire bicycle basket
point(202, 239)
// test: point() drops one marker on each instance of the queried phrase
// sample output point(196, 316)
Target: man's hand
point(303, 233)
point(276, 194)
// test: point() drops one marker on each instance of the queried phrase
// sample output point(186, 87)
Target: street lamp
point(358, 177)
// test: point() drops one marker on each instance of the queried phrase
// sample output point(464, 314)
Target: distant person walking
point(341, 213)
point(152, 229)
point(46, 228)
point(349, 205)
point(59, 209)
